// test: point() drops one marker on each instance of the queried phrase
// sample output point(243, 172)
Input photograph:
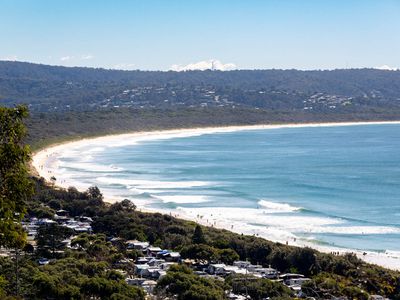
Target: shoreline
point(44, 162)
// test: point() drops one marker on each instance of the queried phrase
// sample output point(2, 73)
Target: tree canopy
point(15, 185)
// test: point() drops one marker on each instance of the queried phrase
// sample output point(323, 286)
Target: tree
point(50, 237)
point(181, 282)
point(93, 193)
point(258, 288)
point(228, 256)
point(3, 284)
point(200, 251)
point(15, 185)
point(198, 236)
point(303, 259)
point(124, 205)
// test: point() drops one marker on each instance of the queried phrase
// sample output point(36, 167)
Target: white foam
point(357, 230)
point(392, 253)
point(152, 184)
point(88, 167)
point(274, 207)
point(256, 217)
point(181, 199)
point(289, 224)
point(96, 149)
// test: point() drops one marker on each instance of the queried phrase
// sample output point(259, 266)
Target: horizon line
point(198, 70)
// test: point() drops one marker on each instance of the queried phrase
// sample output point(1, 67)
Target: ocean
point(333, 186)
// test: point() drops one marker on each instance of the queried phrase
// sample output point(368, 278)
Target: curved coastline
point(45, 160)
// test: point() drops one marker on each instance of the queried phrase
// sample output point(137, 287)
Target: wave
point(96, 149)
point(391, 253)
point(88, 167)
point(366, 227)
point(274, 207)
point(182, 199)
point(152, 184)
point(356, 230)
point(289, 224)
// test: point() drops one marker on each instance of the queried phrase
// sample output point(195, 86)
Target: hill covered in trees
point(68, 103)
point(52, 88)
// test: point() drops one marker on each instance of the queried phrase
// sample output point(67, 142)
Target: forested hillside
point(52, 88)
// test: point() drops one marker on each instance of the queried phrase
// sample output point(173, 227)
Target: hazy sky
point(150, 34)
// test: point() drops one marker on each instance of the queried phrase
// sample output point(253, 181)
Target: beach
point(46, 164)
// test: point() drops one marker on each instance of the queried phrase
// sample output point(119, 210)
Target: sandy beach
point(45, 162)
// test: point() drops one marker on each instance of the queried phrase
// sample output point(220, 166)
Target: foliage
point(50, 238)
point(50, 128)
point(198, 236)
point(68, 278)
point(52, 88)
point(15, 186)
point(181, 281)
point(258, 288)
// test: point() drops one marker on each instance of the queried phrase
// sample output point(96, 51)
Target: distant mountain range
point(53, 88)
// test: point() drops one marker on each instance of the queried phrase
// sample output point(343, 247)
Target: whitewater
point(333, 187)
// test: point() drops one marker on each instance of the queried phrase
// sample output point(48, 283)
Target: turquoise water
point(333, 186)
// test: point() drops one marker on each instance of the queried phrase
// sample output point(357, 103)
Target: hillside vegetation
point(52, 88)
point(92, 268)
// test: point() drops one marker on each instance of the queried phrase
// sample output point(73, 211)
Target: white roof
point(235, 269)
point(142, 267)
point(218, 265)
point(149, 282)
point(154, 249)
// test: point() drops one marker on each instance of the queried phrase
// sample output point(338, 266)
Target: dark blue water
point(334, 186)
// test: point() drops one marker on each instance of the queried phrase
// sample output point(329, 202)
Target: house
point(143, 260)
point(287, 276)
point(234, 270)
point(241, 264)
point(154, 262)
point(217, 269)
point(269, 273)
point(152, 251)
point(149, 286)
point(154, 272)
point(173, 257)
point(142, 270)
point(44, 222)
point(137, 245)
point(61, 219)
point(198, 265)
point(135, 281)
point(252, 268)
point(162, 253)
point(78, 227)
point(293, 282)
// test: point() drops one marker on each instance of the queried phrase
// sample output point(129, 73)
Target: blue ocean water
point(334, 186)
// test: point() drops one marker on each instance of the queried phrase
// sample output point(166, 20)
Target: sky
point(187, 34)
